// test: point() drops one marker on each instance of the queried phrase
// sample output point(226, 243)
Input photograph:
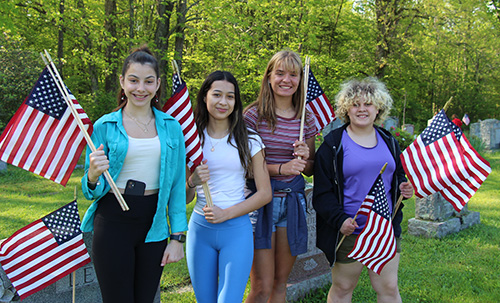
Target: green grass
point(461, 267)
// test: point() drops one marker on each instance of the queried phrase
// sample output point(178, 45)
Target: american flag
point(376, 244)
point(318, 103)
point(442, 160)
point(179, 107)
point(44, 251)
point(366, 206)
point(43, 136)
point(466, 119)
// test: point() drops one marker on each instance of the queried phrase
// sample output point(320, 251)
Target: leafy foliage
point(403, 137)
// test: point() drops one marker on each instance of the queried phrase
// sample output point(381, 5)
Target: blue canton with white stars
point(45, 97)
point(380, 205)
point(176, 83)
point(313, 88)
point(440, 127)
point(64, 223)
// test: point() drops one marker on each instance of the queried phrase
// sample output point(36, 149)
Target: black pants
point(128, 270)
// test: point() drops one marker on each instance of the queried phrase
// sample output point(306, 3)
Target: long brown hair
point(143, 56)
point(265, 102)
point(237, 126)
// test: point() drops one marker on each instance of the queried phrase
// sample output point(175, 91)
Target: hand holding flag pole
point(179, 116)
point(364, 208)
point(62, 88)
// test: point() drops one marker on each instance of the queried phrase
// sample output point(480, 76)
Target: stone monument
point(311, 270)
point(436, 218)
point(489, 132)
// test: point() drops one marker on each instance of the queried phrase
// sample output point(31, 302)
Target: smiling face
point(220, 100)
point(139, 84)
point(362, 114)
point(284, 82)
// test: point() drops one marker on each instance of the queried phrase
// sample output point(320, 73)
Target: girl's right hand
point(348, 226)
point(200, 175)
point(98, 163)
point(293, 167)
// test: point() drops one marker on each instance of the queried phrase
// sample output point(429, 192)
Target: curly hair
point(372, 90)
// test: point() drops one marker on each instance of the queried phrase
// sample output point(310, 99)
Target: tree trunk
point(179, 30)
point(60, 38)
point(131, 32)
point(110, 83)
point(161, 38)
point(87, 47)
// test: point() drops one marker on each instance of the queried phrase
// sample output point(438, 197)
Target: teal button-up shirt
point(109, 131)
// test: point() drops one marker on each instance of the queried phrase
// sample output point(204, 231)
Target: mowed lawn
point(463, 267)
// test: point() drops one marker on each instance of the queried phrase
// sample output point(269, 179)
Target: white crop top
point(142, 162)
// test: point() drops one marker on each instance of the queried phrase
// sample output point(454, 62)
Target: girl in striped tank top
point(280, 228)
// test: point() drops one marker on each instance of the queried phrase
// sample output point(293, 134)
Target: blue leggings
point(219, 258)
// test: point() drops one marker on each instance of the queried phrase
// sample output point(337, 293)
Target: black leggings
point(128, 270)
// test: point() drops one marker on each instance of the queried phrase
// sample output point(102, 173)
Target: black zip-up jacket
point(328, 192)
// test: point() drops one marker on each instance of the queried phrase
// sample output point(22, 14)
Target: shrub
point(403, 137)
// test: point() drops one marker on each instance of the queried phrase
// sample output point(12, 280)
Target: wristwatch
point(181, 238)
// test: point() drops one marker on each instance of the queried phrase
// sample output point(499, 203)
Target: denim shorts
point(279, 212)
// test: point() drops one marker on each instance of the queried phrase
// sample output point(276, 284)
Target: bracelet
point(189, 185)
point(279, 169)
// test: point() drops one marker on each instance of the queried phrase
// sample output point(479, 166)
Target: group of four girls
point(253, 165)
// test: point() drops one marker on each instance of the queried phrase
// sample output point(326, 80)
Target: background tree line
point(426, 51)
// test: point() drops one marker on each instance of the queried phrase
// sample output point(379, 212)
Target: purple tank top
point(361, 167)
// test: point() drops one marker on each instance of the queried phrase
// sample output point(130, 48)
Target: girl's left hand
point(215, 214)
point(300, 149)
point(174, 252)
point(406, 189)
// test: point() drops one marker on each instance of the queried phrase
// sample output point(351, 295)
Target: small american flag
point(442, 160)
point(43, 136)
point(376, 244)
point(366, 206)
point(44, 251)
point(466, 119)
point(179, 107)
point(318, 103)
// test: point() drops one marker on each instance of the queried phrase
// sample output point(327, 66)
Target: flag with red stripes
point(441, 159)
point(376, 244)
point(43, 136)
point(318, 103)
point(179, 107)
point(44, 251)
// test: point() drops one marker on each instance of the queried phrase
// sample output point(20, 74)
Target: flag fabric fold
point(441, 159)
point(44, 251)
point(318, 103)
point(179, 107)
point(376, 244)
point(43, 137)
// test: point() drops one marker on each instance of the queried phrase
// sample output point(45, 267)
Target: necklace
point(139, 123)
point(217, 142)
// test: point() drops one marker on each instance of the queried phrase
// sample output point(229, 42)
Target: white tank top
point(142, 162)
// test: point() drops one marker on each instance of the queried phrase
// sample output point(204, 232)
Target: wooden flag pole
point(400, 199)
point(354, 219)
point(447, 104)
point(62, 88)
point(306, 81)
point(204, 185)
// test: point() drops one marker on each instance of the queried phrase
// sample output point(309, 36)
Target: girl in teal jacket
point(143, 149)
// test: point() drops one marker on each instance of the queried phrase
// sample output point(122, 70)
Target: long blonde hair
point(265, 102)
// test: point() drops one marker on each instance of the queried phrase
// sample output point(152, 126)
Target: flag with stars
point(179, 107)
point(366, 206)
point(376, 244)
point(318, 103)
point(44, 251)
point(441, 159)
point(43, 136)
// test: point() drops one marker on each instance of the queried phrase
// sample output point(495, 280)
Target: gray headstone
point(3, 166)
point(436, 218)
point(311, 269)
